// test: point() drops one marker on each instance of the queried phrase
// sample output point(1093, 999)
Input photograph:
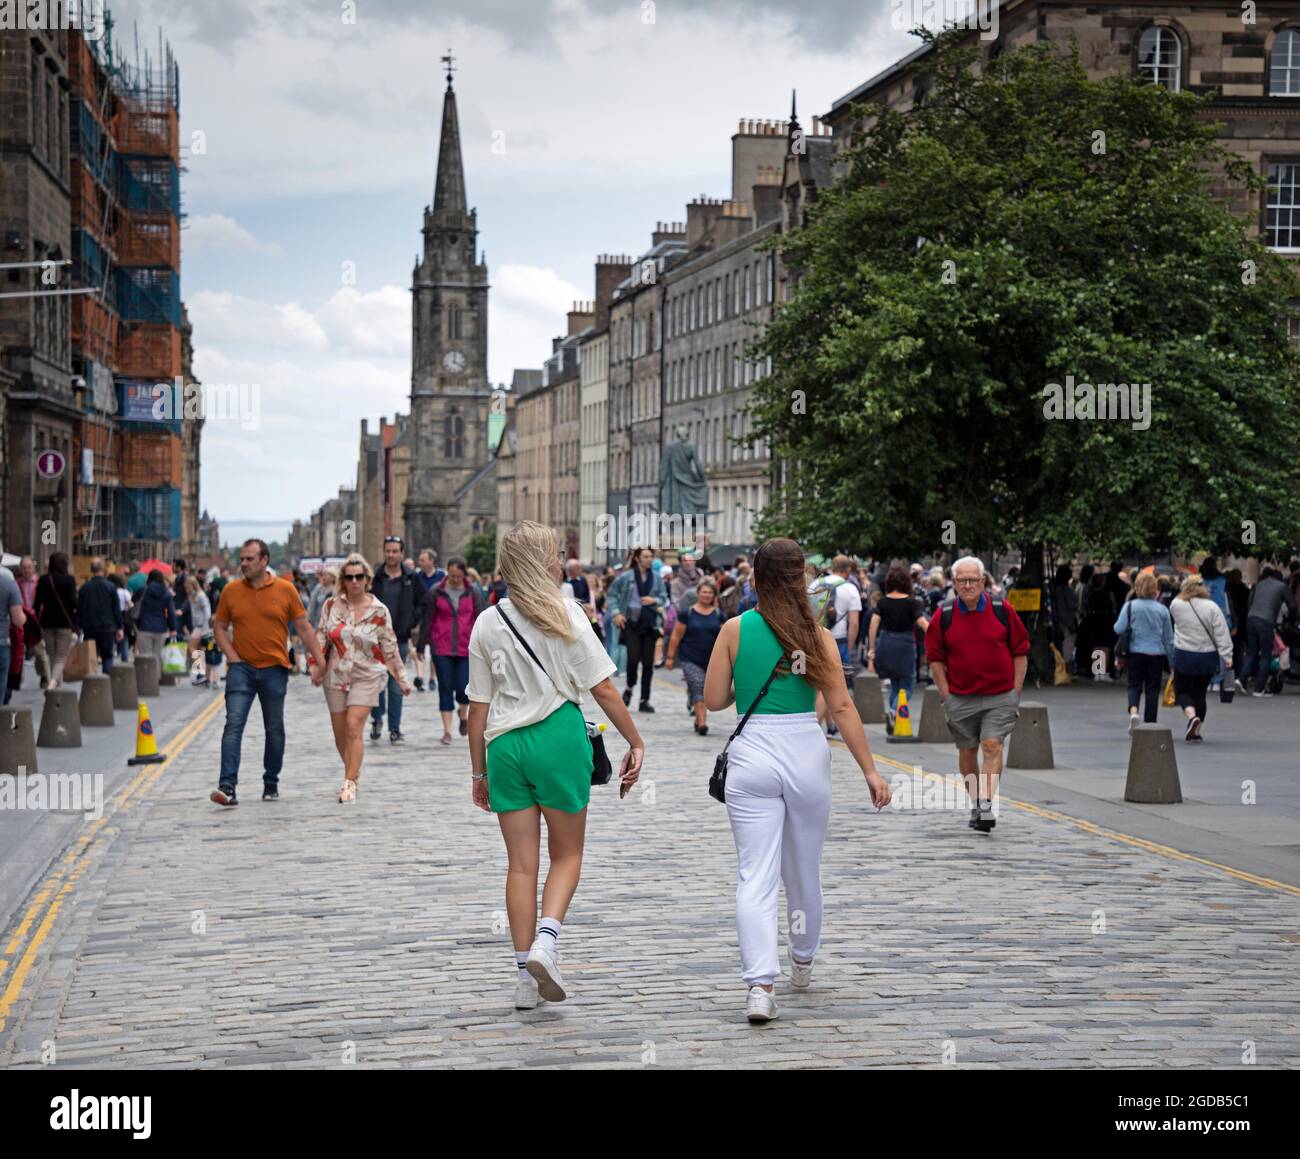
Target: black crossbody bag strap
point(753, 705)
point(718, 781)
point(527, 648)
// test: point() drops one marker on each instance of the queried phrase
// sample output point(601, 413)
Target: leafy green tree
point(481, 553)
point(1025, 224)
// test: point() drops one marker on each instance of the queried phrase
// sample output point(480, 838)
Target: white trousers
point(779, 802)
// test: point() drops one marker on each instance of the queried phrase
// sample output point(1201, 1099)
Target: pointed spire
point(794, 114)
point(449, 189)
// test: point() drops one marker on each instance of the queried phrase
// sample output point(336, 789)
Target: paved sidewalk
point(308, 934)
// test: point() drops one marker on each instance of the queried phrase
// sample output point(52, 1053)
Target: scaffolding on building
point(127, 215)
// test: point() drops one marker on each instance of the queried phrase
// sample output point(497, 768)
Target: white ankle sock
point(521, 960)
point(547, 933)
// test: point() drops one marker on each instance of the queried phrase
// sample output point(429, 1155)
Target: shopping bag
point(1062, 675)
point(1168, 699)
point(173, 660)
point(83, 661)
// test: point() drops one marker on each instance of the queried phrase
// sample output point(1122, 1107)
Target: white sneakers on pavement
point(543, 966)
point(800, 974)
point(761, 1005)
point(526, 996)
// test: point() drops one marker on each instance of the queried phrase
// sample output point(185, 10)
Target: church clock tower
point(452, 494)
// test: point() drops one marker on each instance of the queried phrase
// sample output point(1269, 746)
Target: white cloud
point(216, 231)
point(526, 310)
point(378, 322)
point(223, 319)
point(531, 289)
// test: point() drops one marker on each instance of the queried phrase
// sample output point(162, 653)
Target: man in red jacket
point(978, 651)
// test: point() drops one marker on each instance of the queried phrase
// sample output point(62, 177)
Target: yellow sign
point(1026, 599)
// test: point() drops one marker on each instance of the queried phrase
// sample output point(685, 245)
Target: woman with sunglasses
point(356, 634)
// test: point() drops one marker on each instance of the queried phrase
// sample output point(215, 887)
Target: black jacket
point(56, 601)
point(97, 606)
point(403, 596)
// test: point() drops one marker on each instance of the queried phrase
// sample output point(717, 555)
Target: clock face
point(453, 361)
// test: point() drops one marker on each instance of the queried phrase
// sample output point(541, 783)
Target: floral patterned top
point(357, 644)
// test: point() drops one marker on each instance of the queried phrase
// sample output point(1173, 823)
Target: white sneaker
point(800, 973)
point(761, 1005)
point(1132, 722)
point(526, 996)
point(543, 966)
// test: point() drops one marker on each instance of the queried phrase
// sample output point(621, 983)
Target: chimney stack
point(611, 269)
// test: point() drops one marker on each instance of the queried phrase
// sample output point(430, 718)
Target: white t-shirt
point(847, 599)
point(503, 676)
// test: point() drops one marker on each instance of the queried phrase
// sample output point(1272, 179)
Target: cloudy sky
point(318, 123)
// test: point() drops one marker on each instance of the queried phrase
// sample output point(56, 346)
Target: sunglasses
point(359, 577)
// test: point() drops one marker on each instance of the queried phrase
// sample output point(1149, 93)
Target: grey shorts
point(972, 719)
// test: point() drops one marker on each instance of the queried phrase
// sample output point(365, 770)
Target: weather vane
point(447, 60)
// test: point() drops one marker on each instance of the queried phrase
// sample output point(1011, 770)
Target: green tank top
point(756, 652)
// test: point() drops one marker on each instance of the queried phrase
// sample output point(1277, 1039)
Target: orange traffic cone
point(902, 733)
point(146, 746)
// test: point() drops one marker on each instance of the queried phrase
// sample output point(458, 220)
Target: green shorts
point(547, 763)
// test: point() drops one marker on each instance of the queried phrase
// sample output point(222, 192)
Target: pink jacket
point(447, 633)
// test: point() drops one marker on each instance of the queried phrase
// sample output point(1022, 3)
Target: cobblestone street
point(305, 933)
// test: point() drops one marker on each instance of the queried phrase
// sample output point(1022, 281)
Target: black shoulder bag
point(601, 769)
point(718, 782)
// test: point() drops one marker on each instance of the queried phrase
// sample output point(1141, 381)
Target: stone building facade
point(1251, 70)
point(383, 482)
point(35, 332)
point(593, 404)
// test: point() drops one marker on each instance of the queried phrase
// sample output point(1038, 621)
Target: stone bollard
point(1153, 767)
point(61, 720)
point(933, 728)
point(96, 704)
point(866, 698)
point(17, 742)
point(169, 679)
point(148, 670)
point(125, 696)
point(1030, 746)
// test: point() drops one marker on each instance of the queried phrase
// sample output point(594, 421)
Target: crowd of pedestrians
point(512, 654)
point(120, 612)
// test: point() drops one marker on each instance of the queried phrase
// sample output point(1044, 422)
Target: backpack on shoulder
point(999, 609)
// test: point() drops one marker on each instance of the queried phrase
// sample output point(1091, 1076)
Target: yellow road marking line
point(1110, 834)
point(1087, 826)
point(60, 880)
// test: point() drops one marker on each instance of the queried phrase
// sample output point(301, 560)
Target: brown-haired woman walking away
point(778, 789)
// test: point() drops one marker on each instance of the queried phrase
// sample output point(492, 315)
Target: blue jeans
point(244, 684)
point(847, 660)
point(391, 698)
point(453, 676)
point(896, 662)
point(1259, 653)
point(6, 654)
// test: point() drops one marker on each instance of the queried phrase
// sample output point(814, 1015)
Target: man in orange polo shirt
point(259, 608)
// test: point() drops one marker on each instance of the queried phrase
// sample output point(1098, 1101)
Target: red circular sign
point(50, 464)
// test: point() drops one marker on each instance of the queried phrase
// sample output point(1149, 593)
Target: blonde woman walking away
point(1201, 639)
point(530, 658)
point(772, 661)
point(356, 634)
